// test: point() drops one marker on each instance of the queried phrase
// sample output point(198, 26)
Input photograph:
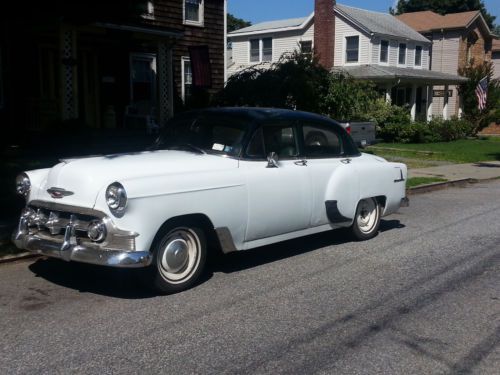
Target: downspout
point(225, 42)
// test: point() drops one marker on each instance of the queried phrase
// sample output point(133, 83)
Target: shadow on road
point(272, 253)
point(121, 283)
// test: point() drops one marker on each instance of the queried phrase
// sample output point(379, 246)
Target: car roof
point(259, 113)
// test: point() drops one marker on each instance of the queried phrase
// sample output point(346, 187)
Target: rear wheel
point(367, 220)
point(179, 259)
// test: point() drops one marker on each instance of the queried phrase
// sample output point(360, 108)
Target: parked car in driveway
point(233, 178)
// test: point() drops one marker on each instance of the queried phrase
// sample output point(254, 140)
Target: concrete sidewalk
point(477, 171)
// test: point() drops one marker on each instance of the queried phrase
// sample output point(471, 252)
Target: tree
point(234, 23)
point(496, 30)
point(480, 118)
point(444, 7)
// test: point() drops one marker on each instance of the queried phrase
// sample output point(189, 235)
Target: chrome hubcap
point(180, 255)
point(367, 216)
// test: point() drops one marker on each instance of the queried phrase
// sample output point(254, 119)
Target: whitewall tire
point(367, 219)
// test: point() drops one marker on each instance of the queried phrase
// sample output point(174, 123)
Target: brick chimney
point(324, 32)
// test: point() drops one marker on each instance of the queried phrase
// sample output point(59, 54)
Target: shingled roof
point(427, 20)
point(368, 21)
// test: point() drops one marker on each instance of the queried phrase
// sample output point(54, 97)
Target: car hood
point(84, 178)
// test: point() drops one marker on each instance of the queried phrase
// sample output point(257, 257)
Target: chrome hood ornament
point(58, 193)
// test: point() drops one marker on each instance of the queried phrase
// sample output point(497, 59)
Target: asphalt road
point(421, 298)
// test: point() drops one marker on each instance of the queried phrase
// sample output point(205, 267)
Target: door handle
point(302, 163)
point(346, 161)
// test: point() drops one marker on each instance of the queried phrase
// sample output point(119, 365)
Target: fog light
point(96, 231)
point(30, 215)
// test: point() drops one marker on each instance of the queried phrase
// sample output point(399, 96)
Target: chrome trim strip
point(226, 240)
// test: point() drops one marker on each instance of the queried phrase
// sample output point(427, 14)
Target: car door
point(334, 180)
point(278, 196)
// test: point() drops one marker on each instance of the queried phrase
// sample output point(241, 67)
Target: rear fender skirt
point(334, 215)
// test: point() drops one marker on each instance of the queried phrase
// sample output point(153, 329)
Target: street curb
point(16, 257)
point(444, 185)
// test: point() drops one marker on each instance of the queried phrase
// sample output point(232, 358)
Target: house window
point(187, 79)
point(193, 12)
point(402, 54)
point(306, 47)
point(384, 51)
point(352, 49)
point(254, 50)
point(418, 56)
point(267, 49)
point(143, 78)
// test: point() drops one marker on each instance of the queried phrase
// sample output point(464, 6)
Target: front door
point(278, 197)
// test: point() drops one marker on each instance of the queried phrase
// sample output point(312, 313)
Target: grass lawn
point(417, 181)
point(462, 151)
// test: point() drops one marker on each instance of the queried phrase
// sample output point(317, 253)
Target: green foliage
point(444, 7)
point(437, 130)
point(234, 23)
point(383, 113)
point(347, 98)
point(479, 119)
point(295, 82)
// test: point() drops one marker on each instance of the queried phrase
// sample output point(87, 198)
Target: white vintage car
point(233, 178)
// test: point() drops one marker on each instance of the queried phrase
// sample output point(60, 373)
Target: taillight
point(348, 129)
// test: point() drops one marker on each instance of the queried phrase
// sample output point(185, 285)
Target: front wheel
point(179, 259)
point(367, 220)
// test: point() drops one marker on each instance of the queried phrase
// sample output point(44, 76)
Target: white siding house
point(368, 45)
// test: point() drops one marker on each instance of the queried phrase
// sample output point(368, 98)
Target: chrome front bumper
point(116, 251)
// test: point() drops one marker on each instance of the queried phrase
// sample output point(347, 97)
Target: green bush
point(437, 130)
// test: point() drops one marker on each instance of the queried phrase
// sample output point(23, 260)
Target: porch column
point(460, 105)
point(429, 102)
point(165, 83)
point(445, 104)
point(68, 72)
point(388, 90)
point(413, 102)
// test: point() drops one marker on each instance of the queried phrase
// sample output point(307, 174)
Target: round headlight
point(116, 198)
point(23, 184)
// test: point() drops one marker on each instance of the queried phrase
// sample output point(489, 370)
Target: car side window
point(281, 139)
point(321, 141)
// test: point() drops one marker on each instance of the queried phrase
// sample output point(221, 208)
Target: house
point(495, 57)
point(107, 64)
point(457, 40)
point(368, 45)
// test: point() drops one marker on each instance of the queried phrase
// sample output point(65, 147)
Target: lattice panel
point(163, 82)
point(68, 53)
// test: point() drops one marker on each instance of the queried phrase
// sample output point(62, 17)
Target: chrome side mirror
point(272, 160)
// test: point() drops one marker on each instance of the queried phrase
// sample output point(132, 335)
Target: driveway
point(421, 298)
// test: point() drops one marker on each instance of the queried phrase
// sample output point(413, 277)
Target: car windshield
point(206, 133)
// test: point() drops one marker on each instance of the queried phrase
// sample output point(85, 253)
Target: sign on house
point(440, 93)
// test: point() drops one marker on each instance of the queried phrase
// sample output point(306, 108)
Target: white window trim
point(406, 54)
point(201, 22)
point(300, 44)
point(184, 59)
point(261, 50)
point(388, 52)
point(421, 57)
point(344, 50)
point(150, 14)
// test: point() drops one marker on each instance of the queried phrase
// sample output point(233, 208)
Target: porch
point(97, 76)
point(427, 93)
